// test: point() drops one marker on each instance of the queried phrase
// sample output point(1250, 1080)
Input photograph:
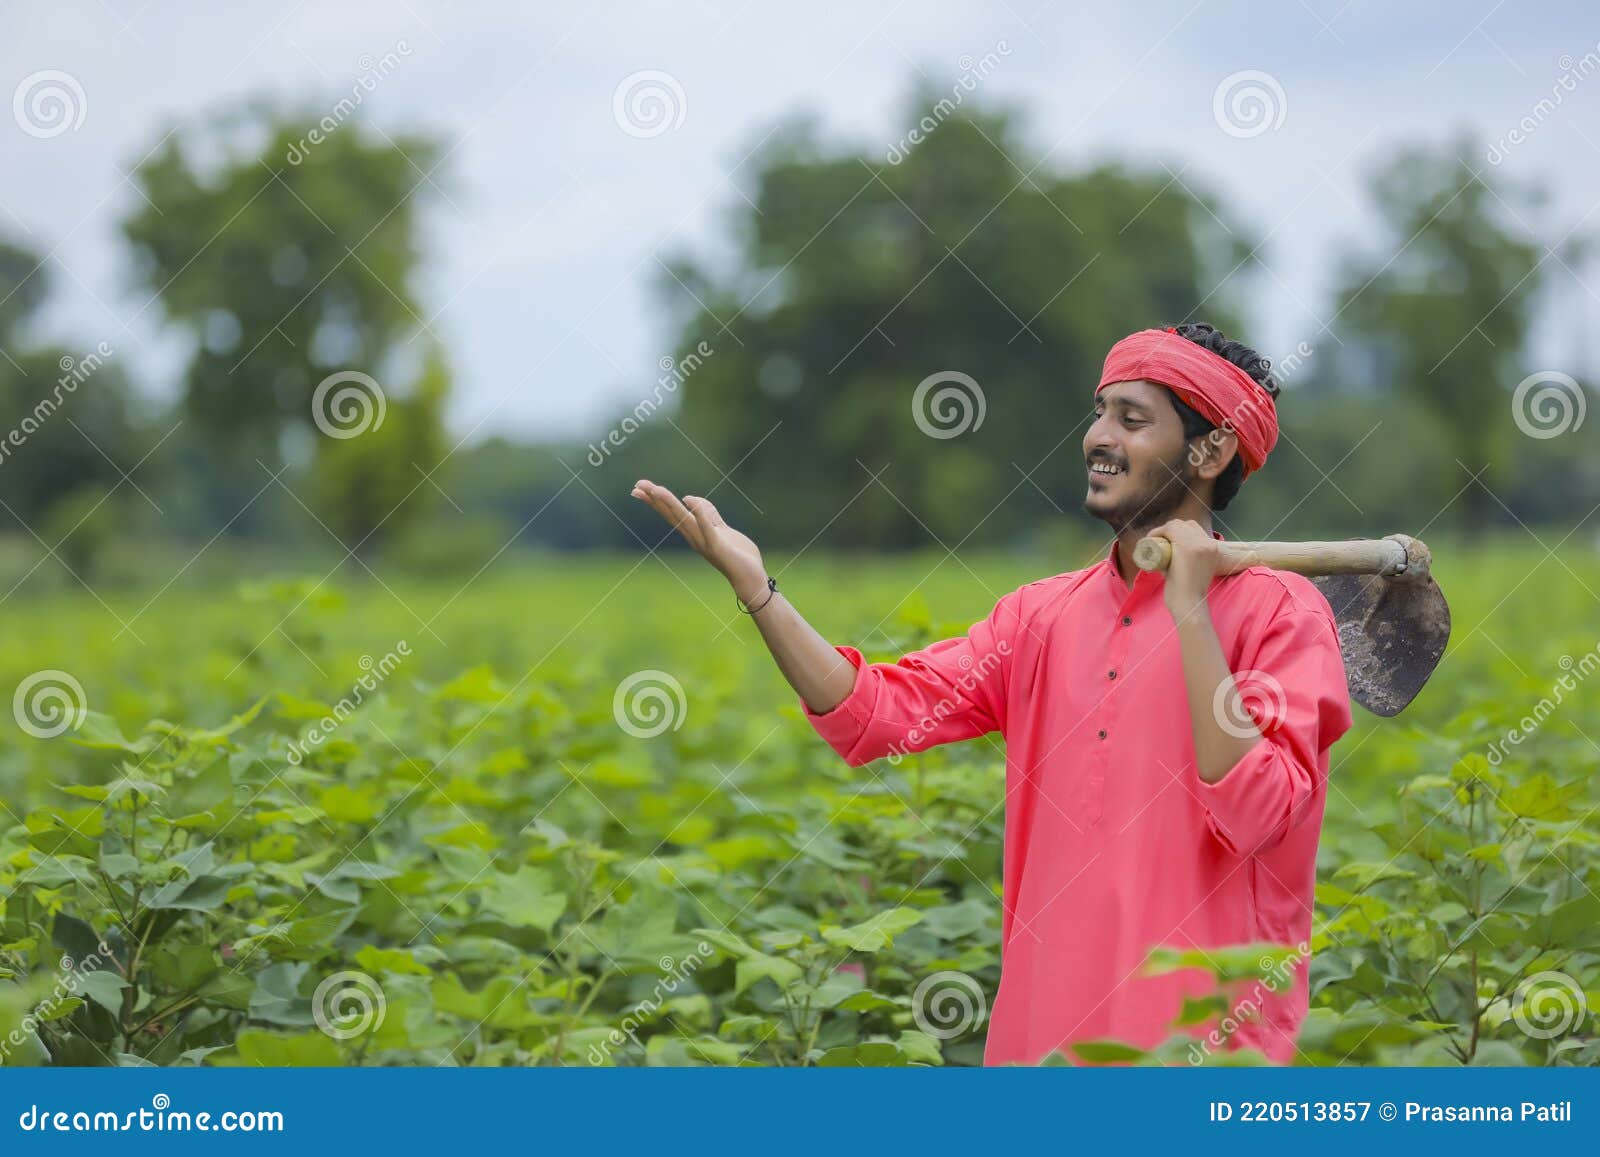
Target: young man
point(1167, 737)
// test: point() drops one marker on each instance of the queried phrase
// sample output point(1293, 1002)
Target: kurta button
point(1102, 733)
point(1127, 620)
point(1111, 674)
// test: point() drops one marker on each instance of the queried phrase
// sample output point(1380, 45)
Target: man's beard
point(1155, 504)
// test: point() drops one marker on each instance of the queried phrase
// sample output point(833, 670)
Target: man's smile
point(1103, 473)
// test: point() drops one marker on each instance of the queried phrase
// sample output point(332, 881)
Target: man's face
point(1137, 431)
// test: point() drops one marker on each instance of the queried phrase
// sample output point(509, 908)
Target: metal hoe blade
point(1392, 634)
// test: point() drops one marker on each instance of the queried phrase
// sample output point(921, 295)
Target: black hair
point(1196, 425)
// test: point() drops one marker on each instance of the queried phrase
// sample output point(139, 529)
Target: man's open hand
point(733, 554)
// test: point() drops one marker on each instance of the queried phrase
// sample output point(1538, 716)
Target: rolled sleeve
point(843, 726)
point(1296, 692)
point(946, 692)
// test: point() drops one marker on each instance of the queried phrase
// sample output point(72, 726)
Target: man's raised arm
point(820, 675)
point(946, 692)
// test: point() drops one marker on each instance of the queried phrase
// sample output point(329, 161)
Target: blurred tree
point(1445, 300)
point(81, 526)
point(367, 487)
point(66, 423)
point(857, 280)
point(286, 262)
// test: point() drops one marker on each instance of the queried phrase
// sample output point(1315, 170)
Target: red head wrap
point(1209, 383)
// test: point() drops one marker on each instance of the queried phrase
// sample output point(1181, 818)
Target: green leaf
point(953, 921)
point(1576, 924)
point(1103, 1051)
point(1198, 1010)
point(202, 894)
point(277, 1050)
point(920, 1048)
point(640, 931)
point(874, 934)
point(277, 998)
point(71, 832)
point(1366, 874)
point(104, 987)
point(868, 1001)
point(216, 734)
point(184, 966)
point(207, 794)
point(1540, 797)
point(525, 899)
point(870, 1054)
point(759, 966)
point(101, 732)
point(374, 959)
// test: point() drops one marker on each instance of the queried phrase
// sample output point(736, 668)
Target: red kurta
point(1114, 844)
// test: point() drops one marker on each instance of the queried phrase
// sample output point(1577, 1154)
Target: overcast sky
point(542, 277)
